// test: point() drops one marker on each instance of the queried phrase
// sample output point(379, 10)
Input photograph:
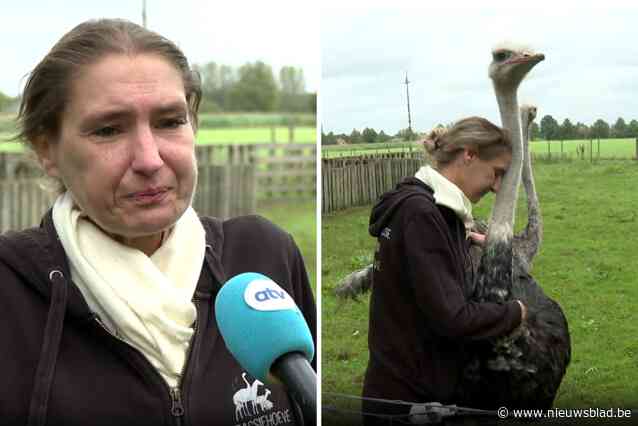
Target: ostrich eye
point(501, 55)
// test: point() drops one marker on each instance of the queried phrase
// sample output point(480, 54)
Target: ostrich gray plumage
point(525, 368)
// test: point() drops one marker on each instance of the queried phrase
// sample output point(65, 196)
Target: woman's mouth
point(148, 196)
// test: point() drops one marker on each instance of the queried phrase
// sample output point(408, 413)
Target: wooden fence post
point(291, 133)
point(599, 148)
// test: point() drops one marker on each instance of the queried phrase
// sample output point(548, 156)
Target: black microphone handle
point(295, 372)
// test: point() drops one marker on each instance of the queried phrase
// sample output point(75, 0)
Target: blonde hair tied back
point(432, 141)
point(443, 144)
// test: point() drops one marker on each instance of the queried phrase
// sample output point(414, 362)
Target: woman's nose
point(146, 155)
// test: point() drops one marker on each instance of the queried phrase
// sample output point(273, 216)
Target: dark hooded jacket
point(59, 366)
point(420, 318)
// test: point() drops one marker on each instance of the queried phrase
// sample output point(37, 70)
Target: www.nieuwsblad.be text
point(564, 413)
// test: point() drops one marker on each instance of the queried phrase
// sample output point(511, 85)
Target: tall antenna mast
point(407, 92)
point(144, 13)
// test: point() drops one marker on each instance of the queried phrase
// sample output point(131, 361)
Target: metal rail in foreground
point(434, 412)
point(420, 413)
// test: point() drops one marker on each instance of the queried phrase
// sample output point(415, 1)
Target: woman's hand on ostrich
point(477, 238)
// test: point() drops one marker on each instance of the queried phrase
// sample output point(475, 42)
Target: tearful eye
point(172, 123)
point(106, 132)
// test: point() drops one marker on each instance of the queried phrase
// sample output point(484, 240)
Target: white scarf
point(447, 194)
point(146, 301)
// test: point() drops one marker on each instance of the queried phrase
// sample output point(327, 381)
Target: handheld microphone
point(266, 333)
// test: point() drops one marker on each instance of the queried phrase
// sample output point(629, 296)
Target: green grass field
point(218, 136)
point(299, 219)
point(585, 263)
point(255, 119)
point(231, 128)
point(336, 151)
point(254, 135)
point(609, 148)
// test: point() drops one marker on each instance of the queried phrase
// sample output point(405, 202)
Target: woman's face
point(126, 146)
point(483, 176)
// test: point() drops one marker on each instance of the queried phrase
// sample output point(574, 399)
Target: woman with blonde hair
point(420, 315)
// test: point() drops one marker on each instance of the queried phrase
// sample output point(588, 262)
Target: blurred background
point(259, 66)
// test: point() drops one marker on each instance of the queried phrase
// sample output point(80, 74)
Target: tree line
point(367, 135)
point(253, 87)
point(250, 87)
point(549, 129)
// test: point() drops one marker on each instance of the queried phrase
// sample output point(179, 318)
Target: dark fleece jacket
point(420, 318)
point(59, 366)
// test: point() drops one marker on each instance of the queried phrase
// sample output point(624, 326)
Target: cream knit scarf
point(145, 301)
point(447, 194)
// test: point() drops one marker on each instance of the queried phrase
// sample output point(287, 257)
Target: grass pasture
point(255, 119)
point(239, 128)
point(609, 148)
point(585, 263)
point(336, 151)
point(247, 135)
point(300, 220)
point(244, 135)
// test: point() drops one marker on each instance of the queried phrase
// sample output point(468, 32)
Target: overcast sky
point(278, 33)
point(590, 70)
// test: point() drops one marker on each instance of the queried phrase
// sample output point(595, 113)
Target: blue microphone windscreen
point(260, 322)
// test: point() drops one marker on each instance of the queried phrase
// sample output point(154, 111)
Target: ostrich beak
point(527, 58)
point(538, 57)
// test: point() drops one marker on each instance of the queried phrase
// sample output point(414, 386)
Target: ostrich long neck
point(502, 219)
point(533, 233)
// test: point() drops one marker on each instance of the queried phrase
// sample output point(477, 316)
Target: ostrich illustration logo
point(247, 400)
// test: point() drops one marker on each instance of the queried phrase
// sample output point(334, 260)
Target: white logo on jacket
point(386, 233)
point(248, 402)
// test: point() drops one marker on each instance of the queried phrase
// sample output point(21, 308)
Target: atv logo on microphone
point(265, 295)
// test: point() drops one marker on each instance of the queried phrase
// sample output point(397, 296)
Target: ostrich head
point(528, 114)
point(529, 111)
point(510, 64)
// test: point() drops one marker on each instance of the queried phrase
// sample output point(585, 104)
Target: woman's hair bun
point(432, 141)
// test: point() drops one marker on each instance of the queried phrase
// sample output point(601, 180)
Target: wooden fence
point(22, 203)
point(353, 181)
point(231, 179)
point(282, 171)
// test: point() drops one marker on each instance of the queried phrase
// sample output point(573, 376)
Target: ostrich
point(524, 369)
point(525, 244)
